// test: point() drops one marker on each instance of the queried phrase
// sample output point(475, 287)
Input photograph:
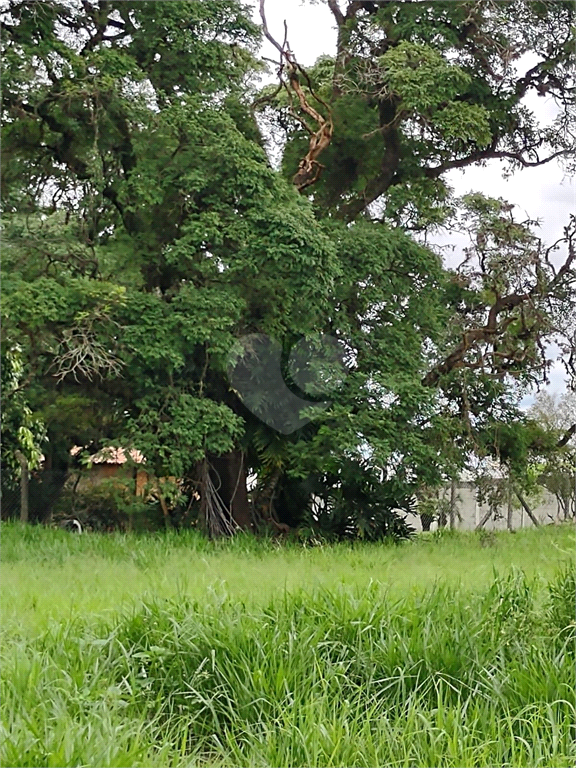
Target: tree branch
point(338, 15)
point(490, 154)
point(566, 437)
point(491, 330)
point(309, 168)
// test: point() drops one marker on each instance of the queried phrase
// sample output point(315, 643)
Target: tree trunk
point(529, 512)
point(23, 486)
point(441, 509)
point(452, 504)
point(228, 474)
point(162, 501)
point(263, 502)
point(509, 514)
point(484, 520)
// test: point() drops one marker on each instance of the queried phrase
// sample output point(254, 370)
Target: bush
point(357, 504)
point(110, 505)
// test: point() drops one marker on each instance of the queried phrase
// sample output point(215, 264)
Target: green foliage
point(427, 86)
point(23, 433)
point(357, 504)
point(110, 505)
point(562, 598)
point(176, 429)
point(416, 89)
point(382, 420)
point(168, 235)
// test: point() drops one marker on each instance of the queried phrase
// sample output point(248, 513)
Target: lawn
point(168, 650)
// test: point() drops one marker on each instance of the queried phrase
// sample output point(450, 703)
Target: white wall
point(471, 512)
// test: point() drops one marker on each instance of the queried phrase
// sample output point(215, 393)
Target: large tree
point(146, 234)
point(413, 90)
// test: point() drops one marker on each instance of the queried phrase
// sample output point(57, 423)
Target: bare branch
point(309, 168)
point(493, 331)
point(281, 50)
point(491, 153)
point(81, 354)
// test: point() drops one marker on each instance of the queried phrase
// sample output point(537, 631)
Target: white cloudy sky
point(543, 193)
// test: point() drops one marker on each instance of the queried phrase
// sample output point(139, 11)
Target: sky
point(543, 193)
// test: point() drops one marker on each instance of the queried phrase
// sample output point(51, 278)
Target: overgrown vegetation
point(362, 655)
point(146, 234)
point(155, 264)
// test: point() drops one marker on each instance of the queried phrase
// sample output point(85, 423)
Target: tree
point(557, 469)
point(23, 433)
point(147, 234)
point(414, 90)
point(556, 412)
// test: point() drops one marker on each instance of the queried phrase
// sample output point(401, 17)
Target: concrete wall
point(469, 512)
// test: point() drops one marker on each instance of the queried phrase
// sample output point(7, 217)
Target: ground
point(451, 650)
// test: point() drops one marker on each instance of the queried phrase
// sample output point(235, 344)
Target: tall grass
point(51, 575)
point(365, 665)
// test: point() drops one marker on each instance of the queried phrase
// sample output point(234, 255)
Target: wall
point(469, 512)
point(100, 472)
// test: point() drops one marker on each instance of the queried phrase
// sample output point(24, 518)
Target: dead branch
point(290, 74)
point(81, 354)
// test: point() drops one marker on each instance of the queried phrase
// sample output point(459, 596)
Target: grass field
point(168, 650)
